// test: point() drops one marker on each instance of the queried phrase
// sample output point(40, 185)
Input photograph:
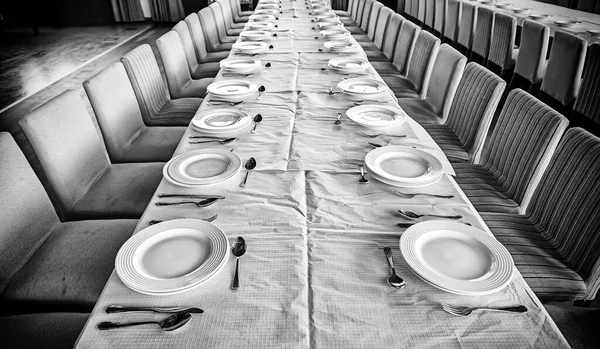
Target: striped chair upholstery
point(462, 136)
point(348, 12)
point(179, 80)
point(408, 10)
point(429, 14)
point(445, 76)
point(373, 50)
point(555, 244)
point(518, 151)
point(209, 30)
point(483, 35)
point(502, 55)
point(368, 19)
point(531, 61)
point(453, 17)
point(158, 109)
point(224, 36)
point(353, 18)
point(466, 28)
point(391, 35)
point(420, 12)
point(201, 49)
point(563, 72)
point(230, 24)
point(197, 70)
point(418, 70)
point(441, 8)
point(586, 111)
point(366, 15)
point(405, 42)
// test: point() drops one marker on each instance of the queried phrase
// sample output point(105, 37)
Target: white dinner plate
point(376, 116)
point(520, 10)
point(321, 16)
point(362, 86)
point(232, 89)
point(456, 257)
point(335, 34)
point(539, 16)
point(250, 47)
point(255, 35)
point(261, 18)
point(503, 5)
point(566, 23)
point(328, 19)
point(594, 32)
point(329, 25)
point(172, 256)
point(221, 121)
point(202, 167)
point(267, 6)
point(404, 165)
point(266, 12)
point(347, 65)
point(341, 46)
point(240, 65)
point(264, 26)
point(323, 12)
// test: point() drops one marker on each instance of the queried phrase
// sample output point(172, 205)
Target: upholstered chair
point(531, 60)
point(197, 70)
point(408, 10)
point(453, 17)
point(368, 22)
point(42, 330)
point(502, 57)
point(462, 136)
point(211, 35)
point(513, 158)
point(391, 35)
point(348, 12)
point(563, 72)
point(429, 15)
point(420, 9)
point(352, 18)
point(179, 80)
point(586, 111)
point(439, 21)
point(85, 183)
point(447, 71)
point(366, 15)
point(224, 34)
point(200, 46)
point(158, 109)
point(239, 16)
point(373, 49)
point(419, 68)
point(126, 137)
point(466, 28)
point(405, 42)
point(483, 35)
point(555, 243)
point(48, 265)
point(230, 24)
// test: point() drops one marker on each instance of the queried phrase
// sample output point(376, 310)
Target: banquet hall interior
point(300, 174)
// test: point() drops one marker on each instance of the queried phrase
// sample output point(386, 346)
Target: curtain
point(167, 10)
point(127, 10)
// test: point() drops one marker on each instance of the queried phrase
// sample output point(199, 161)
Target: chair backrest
point(531, 60)
point(391, 35)
point(149, 87)
point(564, 69)
point(218, 16)
point(405, 43)
point(588, 100)
point(226, 12)
point(523, 140)
point(364, 22)
point(188, 45)
point(441, 8)
point(420, 11)
point(467, 25)
point(174, 62)
point(351, 6)
point(429, 13)
point(236, 7)
point(373, 20)
point(209, 29)
point(473, 107)
point(447, 70)
point(117, 111)
point(26, 212)
point(67, 145)
point(421, 61)
point(503, 40)
point(483, 34)
point(200, 48)
point(565, 208)
point(382, 26)
point(408, 8)
point(453, 16)
point(358, 8)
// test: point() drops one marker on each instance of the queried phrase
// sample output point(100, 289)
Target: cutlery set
point(181, 316)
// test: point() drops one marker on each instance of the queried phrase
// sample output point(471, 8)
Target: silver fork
point(465, 311)
point(411, 215)
point(410, 196)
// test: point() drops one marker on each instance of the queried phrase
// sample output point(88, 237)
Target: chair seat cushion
point(48, 331)
point(228, 40)
point(375, 55)
point(449, 142)
point(224, 47)
point(216, 56)
point(123, 191)
point(483, 190)
point(153, 144)
point(69, 270)
point(385, 68)
point(354, 30)
point(176, 112)
point(420, 110)
point(234, 32)
point(402, 87)
point(361, 38)
point(206, 70)
point(542, 267)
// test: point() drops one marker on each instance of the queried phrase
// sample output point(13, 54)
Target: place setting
point(232, 92)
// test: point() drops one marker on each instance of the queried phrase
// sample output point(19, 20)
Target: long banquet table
point(314, 275)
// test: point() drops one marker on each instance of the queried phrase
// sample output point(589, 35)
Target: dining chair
point(555, 244)
point(228, 16)
point(366, 16)
point(374, 49)
point(179, 80)
point(447, 71)
point(563, 72)
point(420, 10)
point(42, 330)
point(404, 44)
point(466, 28)
point(502, 54)
point(482, 36)
point(238, 15)
point(439, 21)
point(348, 12)
point(366, 31)
point(352, 18)
point(391, 35)
point(586, 111)
point(48, 265)
point(211, 34)
point(125, 136)
point(531, 60)
point(453, 17)
point(217, 17)
point(158, 108)
point(516, 153)
point(79, 173)
point(463, 134)
point(224, 22)
point(408, 13)
point(429, 15)
point(419, 68)
point(200, 46)
point(196, 69)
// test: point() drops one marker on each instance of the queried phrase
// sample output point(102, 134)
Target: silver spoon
point(222, 141)
point(394, 280)
point(250, 165)
point(170, 323)
point(338, 121)
point(209, 219)
point(238, 249)
point(257, 118)
point(411, 215)
point(112, 309)
point(261, 89)
point(267, 66)
point(362, 179)
point(203, 203)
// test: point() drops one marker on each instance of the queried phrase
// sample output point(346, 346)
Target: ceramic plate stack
point(202, 167)
point(456, 258)
point(266, 12)
point(267, 7)
point(360, 87)
point(240, 65)
point(250, 48)
point(335, 34)
point(261, 26)
point(341, 46)
point(403, 166)
point(255, 35)
point(330, 25)
point(223, 123)
point(172, 257)
point(232, 90)
point(261, 18)
point(376, 117)
point(348, 65)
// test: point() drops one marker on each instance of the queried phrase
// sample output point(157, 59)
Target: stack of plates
point(266, 12)
point(456, 258)
point(403, 167)
point(349, 65)
point(250, 47)
point(376, 116)
point(222, 123)
point(202, 167)
point(329, 25)
point(255, 35)
point(334, 18)
point(264, 6)
point(240, 65)
point(566, 23)
point(361, 87)
point(172, 257)
point(520, 10)
point(341, 46)
point(232, 90)
point(261, 18)
point(264, 26)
